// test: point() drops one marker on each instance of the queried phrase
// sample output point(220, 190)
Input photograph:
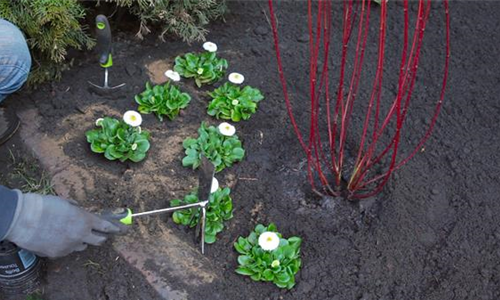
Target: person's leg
point(15, 59)
point(15, 64)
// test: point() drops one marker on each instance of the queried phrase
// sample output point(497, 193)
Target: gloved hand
point(51, 226)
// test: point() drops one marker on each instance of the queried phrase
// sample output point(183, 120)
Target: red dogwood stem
point(338, 119)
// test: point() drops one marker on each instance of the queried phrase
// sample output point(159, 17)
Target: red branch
point(327, 166)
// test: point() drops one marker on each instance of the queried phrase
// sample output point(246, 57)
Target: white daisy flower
point(132, 118)
point(210, 47)
point(269, 241)
point(236, 78)
point(275, 263)
point(98, 122)
point(235, 102)
point(215, 186)
point(227, 129)
point(174, 76)
point(134, 146)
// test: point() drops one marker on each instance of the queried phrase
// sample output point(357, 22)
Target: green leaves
point(205, 68)
point(163, 100)
point(219, 210)
point(232, 103)
point(278, 266)
point(118, 140)
point(221, 150)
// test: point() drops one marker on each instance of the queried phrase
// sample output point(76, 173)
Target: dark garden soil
point(433, 233)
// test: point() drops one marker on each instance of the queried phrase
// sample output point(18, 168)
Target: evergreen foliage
point(184, 18)
point(51, 27)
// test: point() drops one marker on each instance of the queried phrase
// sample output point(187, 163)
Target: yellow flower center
point(133, 118)
point(269, 239)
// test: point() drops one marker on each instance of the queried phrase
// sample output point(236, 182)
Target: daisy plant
point(266, 256)
point(120, 139)
point(219, 210)
point(219, 144)
point(230, 102)
point(205, 68)
point(163, 100)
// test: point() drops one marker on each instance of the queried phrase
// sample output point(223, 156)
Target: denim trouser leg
point(15, 59)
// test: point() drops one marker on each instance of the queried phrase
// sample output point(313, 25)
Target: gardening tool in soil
point(104, 48)
point(205, 178)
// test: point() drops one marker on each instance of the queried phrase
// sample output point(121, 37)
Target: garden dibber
point(104, 47)
point(205, 178)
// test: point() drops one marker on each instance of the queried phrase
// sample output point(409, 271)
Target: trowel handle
point(104, 44)
point(124, 215)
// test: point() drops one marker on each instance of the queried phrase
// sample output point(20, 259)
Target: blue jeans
point(15, 59)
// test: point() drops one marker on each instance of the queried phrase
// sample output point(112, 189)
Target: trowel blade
point(107, 91)
point(207, 171)
point(205, 178)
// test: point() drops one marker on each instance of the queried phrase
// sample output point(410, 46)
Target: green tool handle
point(124, 215)
point(104, 44)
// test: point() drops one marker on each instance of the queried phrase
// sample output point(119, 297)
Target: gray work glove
point(51, 226)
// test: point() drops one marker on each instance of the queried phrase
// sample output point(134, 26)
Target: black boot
point(9, 123)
